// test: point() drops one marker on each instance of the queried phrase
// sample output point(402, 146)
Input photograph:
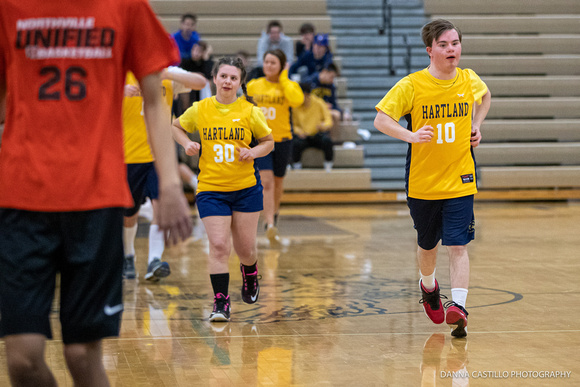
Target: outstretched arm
point(193, 81)
point(173, 216)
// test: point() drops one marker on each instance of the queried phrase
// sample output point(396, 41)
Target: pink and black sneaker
point(456, 318)
point(432, 303)
point(250, 287)
point(221, 309)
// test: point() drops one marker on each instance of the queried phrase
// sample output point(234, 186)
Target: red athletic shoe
point(432, 303)
point(456, 318)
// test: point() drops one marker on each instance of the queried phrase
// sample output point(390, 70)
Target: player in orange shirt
point(64, 185)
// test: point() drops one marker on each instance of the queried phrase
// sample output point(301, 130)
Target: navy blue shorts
point(86, 248)
point(449, 220)
point(277, 160)
point(214, 203)
point(143, 183)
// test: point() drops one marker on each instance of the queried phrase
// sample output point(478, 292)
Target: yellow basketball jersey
point(443, 168)
point(223, 129)
point(137, 149)
point(275, 100)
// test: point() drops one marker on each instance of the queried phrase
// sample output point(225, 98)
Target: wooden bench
point(355, 179)
point(528, 154)
point(276, 8)
point(345, 131)
point(550, 85)
point(521, 44)
point(474, 7)
point(522, 64)
point(550, 107)
point(343, 157)
point(530, 130)
point(247, 25)
point(529, 177)
point(515, 24)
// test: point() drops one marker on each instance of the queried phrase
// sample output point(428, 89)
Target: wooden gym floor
point(339, 306)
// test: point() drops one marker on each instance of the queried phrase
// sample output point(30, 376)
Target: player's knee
point(23, 366)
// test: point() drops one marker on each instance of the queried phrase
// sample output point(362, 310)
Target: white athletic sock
point(156, 243)
point(129, 234)
point(328, 166)
point(428, 281)
point(459, 296)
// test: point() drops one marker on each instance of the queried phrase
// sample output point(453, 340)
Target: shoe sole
point(218, 317)
point(457, 324)
point(249, 301)
point(160, 272)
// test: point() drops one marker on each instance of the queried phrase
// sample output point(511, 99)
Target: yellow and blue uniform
point(275, 100)
point(223, 129)
point(444, 168)
point(137, 148)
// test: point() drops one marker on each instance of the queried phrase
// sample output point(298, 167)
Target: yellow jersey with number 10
point(223, 129)
point(443, 168)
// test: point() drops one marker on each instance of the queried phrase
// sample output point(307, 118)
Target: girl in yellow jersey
point(229, 194)
point(446, 106)
point(276, 95)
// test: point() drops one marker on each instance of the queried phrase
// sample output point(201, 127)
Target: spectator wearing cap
point(313, 61)
point(274, 39)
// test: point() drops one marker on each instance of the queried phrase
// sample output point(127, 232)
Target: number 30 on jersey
point(224, 152)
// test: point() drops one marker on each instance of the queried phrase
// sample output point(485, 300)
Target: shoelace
point(441, 296)
point(449, 304)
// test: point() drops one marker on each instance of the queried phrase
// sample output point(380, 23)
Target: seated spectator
point(187, 35)
point(313, 61)
point(274, 39)
point(323, 86)
point(306, 39)
point(200, 61)
point(312, 122)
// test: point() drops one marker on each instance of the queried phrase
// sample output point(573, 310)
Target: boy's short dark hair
point(332, 67)
point(306, 87)
point(188, 16)
point(274, 23)
point(433, 30)
point(306, 28)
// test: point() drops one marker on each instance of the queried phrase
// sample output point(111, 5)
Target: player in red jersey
point(63, 179)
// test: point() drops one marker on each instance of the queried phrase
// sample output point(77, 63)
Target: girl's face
point(227, 81)
point(272, 67)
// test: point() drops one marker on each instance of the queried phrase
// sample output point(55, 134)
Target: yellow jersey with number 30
point(275, 100)
point(444, 168)
point(223, 130)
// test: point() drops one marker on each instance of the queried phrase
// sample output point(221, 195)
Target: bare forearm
point(264, 147)
point(385, 124)
point(179, 135)
point(482, 109)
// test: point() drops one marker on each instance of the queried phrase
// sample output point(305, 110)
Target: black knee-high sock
point(220, 283)
point(250, 269)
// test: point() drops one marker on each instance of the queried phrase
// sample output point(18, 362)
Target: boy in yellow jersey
point(229, 193)
point(141, 173)
point(445, 107)
point(276, 94)
point(312, 122)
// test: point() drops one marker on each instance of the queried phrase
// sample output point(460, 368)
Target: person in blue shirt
point(187, 35)
point(313, 61)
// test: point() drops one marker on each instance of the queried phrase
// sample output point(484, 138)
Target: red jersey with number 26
point(64, 63)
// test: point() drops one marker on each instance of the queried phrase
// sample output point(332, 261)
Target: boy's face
point(326, 77)
point(196, 52)
point(445, 52)
point(275, 34)
point(187, 26)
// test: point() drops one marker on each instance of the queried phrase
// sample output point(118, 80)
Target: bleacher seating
point(529, 55)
